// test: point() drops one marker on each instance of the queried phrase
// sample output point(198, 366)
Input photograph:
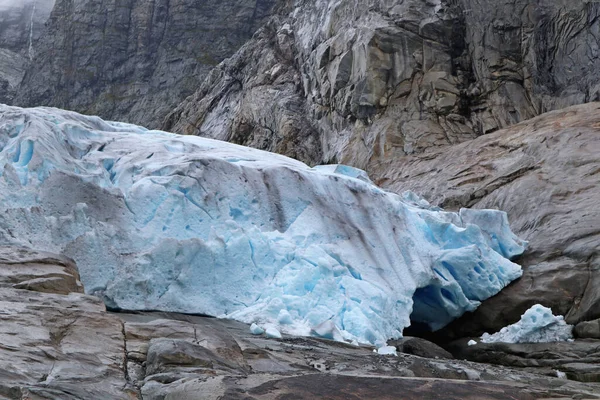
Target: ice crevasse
point(157, 221)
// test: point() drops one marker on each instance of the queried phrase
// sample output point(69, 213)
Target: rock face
point(357, 81)
point(545, 174)
point(134, 60)
point(21, 24)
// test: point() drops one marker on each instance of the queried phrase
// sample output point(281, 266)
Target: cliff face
point(355, 81)
point(21, 24)
point(134, 60)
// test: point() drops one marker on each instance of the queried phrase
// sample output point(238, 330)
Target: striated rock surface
point(55, 342)
point(576, 360)
point(356, 81)
point(21, 24)
point(135, 60)
point(545, 174)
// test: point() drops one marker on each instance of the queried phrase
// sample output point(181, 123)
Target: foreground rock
point(545, 173)
point(179, 356)
point(66, 346)
point(55, 342)
point(577, 360)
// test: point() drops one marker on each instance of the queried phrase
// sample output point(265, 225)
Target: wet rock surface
point(21, 24)
point(545, 174)
point(66, 346)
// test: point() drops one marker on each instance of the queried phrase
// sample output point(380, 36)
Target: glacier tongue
point(158, 221)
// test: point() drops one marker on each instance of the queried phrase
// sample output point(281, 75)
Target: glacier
point(537, 325)
point(158, 221)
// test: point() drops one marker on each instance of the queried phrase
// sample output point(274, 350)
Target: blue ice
point(157, 221)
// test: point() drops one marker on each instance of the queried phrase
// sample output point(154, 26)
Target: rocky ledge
point(58, 343)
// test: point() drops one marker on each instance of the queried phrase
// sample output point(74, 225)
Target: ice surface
point(256, 330)
point(157, 221)
point(537, 325)
point(387, 351)
point(272, 332)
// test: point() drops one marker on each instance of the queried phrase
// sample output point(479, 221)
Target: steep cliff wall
point(134, 60)
point(21, 24)
point(354, 81)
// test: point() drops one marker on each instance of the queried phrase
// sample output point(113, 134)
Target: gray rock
point(578, 360)
point(21, 24)
point(420, 347)
point(207, 358)
point(134, 61)
point(38, 271)
point(588, 329)
point(359, 81)
point(582, 372)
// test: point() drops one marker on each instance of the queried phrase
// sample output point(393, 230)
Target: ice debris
point(256, 330)
point(157, 221)
point(471, 343)
point(272, 332)
point(537, 325)
point(387, 351)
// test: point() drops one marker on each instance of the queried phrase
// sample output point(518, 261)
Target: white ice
point(387, 351)
point(256, 330)
point(157, 221)
point(537, 325)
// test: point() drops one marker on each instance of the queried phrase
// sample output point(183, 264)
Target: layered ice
point(537, 325)
point(157, 221)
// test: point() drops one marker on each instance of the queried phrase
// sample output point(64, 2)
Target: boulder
point(420, 347)
point(588, 329)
